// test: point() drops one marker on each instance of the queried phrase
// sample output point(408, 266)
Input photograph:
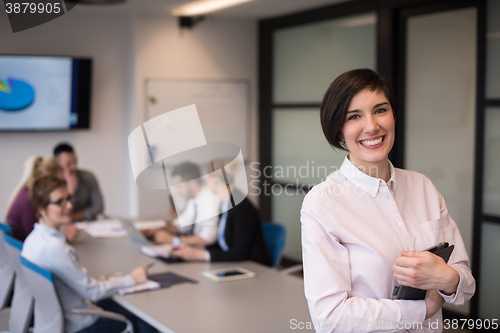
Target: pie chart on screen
point(15, 94)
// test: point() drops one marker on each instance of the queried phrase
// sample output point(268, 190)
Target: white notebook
point(155, 224)
point(105, 229)
point(156, 251)
point(148, 285)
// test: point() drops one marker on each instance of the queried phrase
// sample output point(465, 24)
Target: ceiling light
point(204, 6)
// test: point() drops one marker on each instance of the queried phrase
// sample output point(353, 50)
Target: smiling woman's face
point(368, 129)
point(59, 210)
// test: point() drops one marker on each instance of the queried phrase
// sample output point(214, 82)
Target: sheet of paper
point(157, 250)
point(81, 225)
point(106, 229)
point(154, 224)
point(148, 285)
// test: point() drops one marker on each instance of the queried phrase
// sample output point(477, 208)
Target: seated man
point(202, 205)
point(240, 230)
point(81, 184)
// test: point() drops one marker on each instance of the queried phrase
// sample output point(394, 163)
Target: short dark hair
point(63, 147)
point(41, 189)
point(187, 171)
point(338, 97)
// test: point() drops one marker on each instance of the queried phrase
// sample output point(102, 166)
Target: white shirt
point(353, 229)
point(204, 208)
point(47, 248)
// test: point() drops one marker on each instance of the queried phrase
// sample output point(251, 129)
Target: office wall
point(127, 48)
point(217, 48)
point(108, 38)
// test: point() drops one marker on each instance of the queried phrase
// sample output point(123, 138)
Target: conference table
point(270, 302)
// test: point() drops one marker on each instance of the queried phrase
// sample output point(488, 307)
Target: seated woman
point(240, 230)
point(46, 247)
point(21, 215)
point(365, 228)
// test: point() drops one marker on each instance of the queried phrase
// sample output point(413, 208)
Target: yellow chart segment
point(5, 86)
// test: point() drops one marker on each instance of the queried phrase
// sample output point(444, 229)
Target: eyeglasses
point(62, 202)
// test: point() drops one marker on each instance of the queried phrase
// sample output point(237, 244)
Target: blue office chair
point(48, 310)
point(49, 313)
point(6, 270)
point(274, 238)
point(21, 310)
point(5, 228)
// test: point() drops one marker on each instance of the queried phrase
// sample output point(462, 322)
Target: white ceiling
point(257, 9)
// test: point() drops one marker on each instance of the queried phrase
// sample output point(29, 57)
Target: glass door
point(440, 109)
point(306, 59)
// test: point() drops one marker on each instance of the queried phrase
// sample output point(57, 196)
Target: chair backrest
point(6, 271)
point(5, 228)
point(274, 237)
point(14, 248)
point(49, 314)
point(21, 311)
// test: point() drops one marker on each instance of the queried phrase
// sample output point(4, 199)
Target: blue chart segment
point(15, 94)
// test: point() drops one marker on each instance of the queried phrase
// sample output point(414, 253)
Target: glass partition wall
point(440, 97)
point(306, 59)
point(443, 58)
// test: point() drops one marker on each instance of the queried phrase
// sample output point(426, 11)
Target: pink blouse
point(353, 229)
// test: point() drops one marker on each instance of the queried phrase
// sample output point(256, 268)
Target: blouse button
point(400, 224)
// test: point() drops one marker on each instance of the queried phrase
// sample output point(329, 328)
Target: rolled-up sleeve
point(459, 260)
point(327, 280)
point(207, 230)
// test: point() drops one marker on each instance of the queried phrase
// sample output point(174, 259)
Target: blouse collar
point(367, 183)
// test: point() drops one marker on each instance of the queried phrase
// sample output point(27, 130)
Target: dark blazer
point(243, 236)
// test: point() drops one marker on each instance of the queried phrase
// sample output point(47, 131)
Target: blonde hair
point(34, 167)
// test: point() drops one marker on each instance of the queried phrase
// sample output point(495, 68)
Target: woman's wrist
point(453, 280)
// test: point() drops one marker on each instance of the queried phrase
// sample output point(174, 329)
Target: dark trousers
point(112, 326)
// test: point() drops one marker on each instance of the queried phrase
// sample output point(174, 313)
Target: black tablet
point(443, 250)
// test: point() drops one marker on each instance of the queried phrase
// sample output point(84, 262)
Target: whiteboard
point(223, 106)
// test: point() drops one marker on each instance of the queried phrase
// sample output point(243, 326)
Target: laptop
point(148, 247)
point(136, 236)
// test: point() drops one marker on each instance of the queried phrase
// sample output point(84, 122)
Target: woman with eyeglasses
point(46, 247)
point(21, 215)
point(365, 228)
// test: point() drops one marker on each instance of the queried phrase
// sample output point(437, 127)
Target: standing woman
point(21, 215)
point(365, 226)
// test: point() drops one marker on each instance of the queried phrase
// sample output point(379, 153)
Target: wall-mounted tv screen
point(40, 93)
